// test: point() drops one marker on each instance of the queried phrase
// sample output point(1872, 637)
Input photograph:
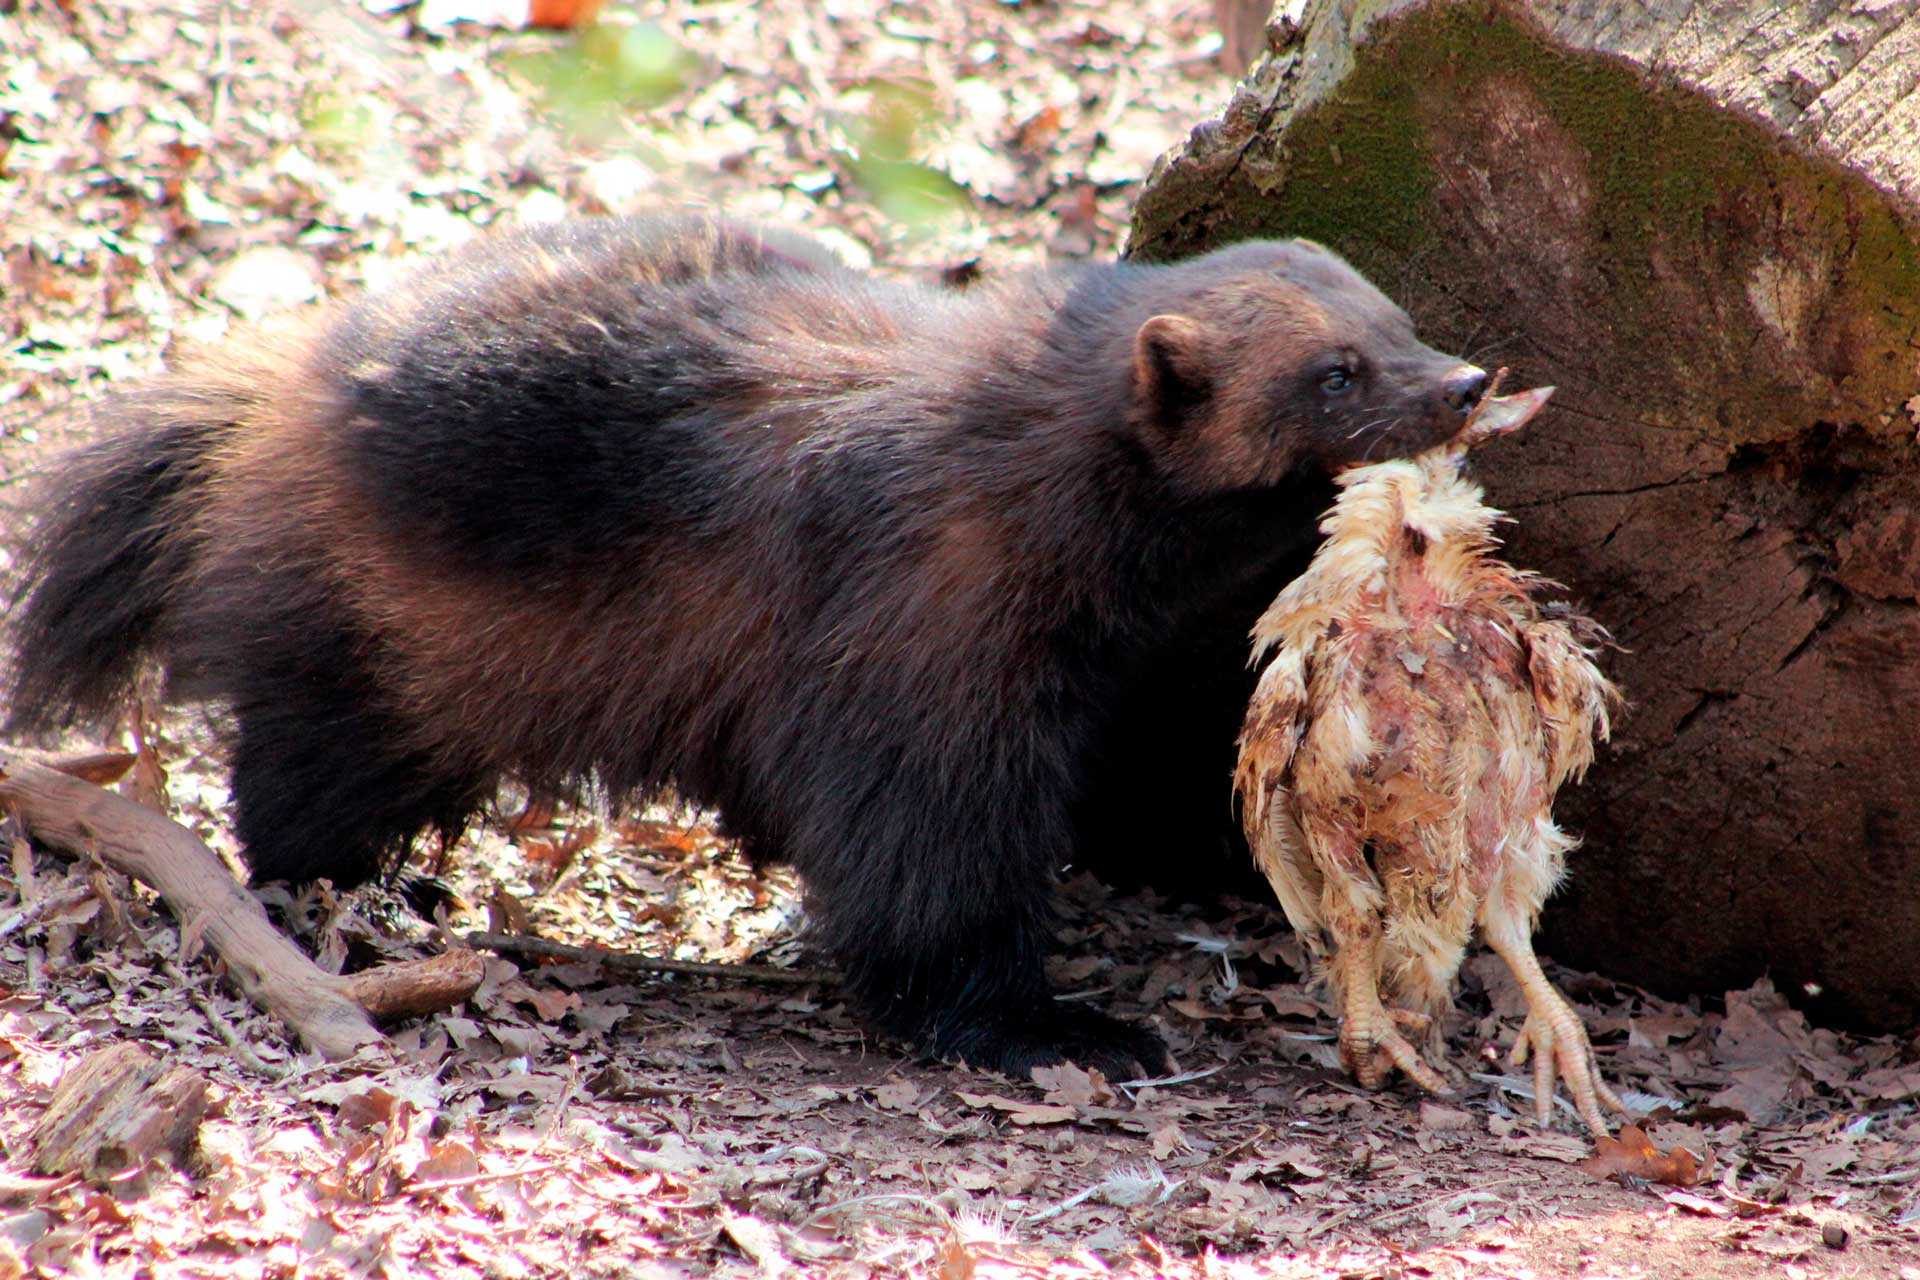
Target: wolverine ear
point(1172, 367)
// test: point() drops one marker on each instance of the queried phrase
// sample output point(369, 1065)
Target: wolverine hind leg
point(331, 798)
point(325, 781)
point(984, 1000)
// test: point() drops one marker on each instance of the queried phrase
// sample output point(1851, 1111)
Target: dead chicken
point(1401, 754)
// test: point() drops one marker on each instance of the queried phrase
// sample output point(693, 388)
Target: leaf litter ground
point(168, 169)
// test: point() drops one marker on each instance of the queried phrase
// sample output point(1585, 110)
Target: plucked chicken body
point(1401, 754)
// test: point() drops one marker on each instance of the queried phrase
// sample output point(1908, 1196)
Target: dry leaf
point(147, 783)
point(1192, 1008)
point(562, 14)
point(78, 911)
point(757, 1240)
point(1687, 1202)
point(1760, 1029)
point(446, 1161)
point(548, 859)
point(364, 1110)
point(666, 837)
point(1443, 1119)
point(1168, 1139)
point(1069, 1084)
point(506, 913)
point(550, 1004)
point(1037, 132)
point(1023, 1113)
point(898, 1095)
point(1745, 1207)
point(1299, 1157)
point(1287, 1002)
point(1759, 1092)
point(1656, 1031)
point(1633, 1154)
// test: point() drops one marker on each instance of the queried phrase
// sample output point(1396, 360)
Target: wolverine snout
point(1462, 388)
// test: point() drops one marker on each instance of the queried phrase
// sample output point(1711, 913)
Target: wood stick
point(632, 962)
point(413, 987)
point(275, 974)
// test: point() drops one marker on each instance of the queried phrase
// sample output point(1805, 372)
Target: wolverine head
point(1272, 355)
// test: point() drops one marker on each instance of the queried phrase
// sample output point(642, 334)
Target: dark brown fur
point(920, 590)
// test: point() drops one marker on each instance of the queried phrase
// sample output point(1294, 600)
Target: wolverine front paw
point(1047, 1034)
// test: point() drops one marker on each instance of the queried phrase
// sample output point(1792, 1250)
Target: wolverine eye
point(1336, 379)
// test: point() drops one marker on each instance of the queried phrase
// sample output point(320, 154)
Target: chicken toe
point(1555, 1040)
point(1371, 1044)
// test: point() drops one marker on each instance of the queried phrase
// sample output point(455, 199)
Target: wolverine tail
point(109, 549)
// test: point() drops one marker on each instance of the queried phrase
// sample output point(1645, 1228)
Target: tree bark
point(117, 1109)
point(1702, 221)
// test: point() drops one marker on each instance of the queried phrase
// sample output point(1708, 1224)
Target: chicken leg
point(1370, 1041)
point(1553, 1037)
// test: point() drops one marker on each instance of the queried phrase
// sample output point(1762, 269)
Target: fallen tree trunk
point(1699, 220)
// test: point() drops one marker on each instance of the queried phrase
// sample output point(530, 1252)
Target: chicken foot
point(1370, 1041)
point(1555, 1039)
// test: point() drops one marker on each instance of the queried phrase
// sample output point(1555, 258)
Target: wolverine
point(908, 584)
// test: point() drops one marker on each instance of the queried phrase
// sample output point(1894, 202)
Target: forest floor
point(167, 170)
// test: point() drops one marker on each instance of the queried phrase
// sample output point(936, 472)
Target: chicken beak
point(1502, 415)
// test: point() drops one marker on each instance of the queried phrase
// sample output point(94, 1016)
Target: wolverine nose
point(1463, 388)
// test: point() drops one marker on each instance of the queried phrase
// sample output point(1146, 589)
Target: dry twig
point(632, 962)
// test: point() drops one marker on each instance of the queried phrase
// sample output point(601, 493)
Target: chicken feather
point(1419, 709)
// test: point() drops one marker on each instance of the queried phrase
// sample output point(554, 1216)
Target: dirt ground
point(166, 170)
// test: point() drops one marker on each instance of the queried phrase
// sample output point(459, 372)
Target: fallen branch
point(62, 810)
point(331, 1014)
point(630, 962)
